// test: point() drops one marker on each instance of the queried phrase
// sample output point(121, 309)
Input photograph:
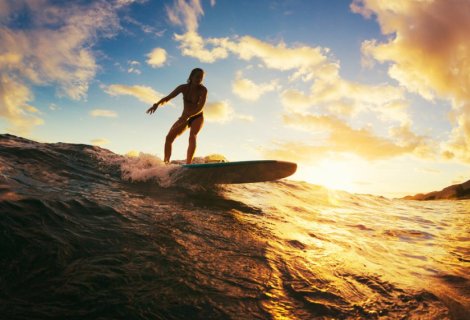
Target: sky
point(367, 96)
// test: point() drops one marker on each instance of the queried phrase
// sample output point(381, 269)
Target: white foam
point(147, 167)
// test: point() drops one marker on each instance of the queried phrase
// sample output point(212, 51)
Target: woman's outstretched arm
point(164, 100)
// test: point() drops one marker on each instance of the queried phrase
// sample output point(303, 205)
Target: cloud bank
point(330, 96)
point(428, 53)
point(55, 49)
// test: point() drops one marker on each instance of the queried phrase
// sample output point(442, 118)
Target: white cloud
point(134, 70)
point(296, 100)
point(185, 13)
point(145, 28)
point(143, 93)
point(157, 57)
point(303, 59)
point(134, 67)
point(55, 49)
point(193, 45)
point(222, 112)
point(344, 98)
point(103, 113)
point(219, 111)
point(248, 90)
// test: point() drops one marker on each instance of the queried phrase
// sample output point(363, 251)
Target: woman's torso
point(191, 98)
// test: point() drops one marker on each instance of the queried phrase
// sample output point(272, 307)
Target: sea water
point(89, 234)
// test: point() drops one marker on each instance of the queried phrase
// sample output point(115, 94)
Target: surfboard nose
point(286, 168)
point(275, 170)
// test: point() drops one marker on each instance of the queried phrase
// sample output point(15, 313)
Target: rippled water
point(85, 233)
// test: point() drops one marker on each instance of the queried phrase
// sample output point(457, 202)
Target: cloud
point(185, 13)
point(330, 95)
point(294, 151)
point(218, 112)
point(344, 98)
point(157, 57)
point(193, 45)
point(54, 48)
point(296, 100)
point(458, 145)
point(99, 141)
point(222, 112)
point(14, 98)
point(363, 142)
point(103, 113)
point(248, 90)
point(145, 28)
point(427, 53)
point(303, 59)
point(329, 91)
point(134, 67)
point(143, 93)
point(54, 107)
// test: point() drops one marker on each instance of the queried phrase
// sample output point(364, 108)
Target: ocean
point(89, 234)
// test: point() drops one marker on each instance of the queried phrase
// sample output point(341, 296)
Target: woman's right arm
point(164, 100)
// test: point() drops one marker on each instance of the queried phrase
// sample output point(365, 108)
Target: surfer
point(194, 98)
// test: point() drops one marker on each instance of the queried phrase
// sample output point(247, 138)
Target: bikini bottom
point(192, 118)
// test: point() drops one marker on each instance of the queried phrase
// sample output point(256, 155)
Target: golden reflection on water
point(366, 250)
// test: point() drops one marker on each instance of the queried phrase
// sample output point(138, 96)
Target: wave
point(86, 233)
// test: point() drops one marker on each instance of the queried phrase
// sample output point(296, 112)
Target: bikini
point(193, 117)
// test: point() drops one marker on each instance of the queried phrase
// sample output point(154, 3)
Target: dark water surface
point(88, 234)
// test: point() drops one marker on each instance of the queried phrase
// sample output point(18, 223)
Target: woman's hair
point(193, 72)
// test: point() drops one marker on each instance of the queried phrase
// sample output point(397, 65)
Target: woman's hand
point(152, 108)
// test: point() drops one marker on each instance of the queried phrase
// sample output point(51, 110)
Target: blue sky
point(366, 96)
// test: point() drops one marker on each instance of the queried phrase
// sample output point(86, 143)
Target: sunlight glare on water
point(353, 240)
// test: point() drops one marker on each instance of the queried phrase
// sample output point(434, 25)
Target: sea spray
point(146, 167)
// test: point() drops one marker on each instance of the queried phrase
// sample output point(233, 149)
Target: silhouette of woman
point(194, 98)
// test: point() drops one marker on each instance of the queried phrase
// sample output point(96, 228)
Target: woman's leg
point(178, 128)
point(196, 126)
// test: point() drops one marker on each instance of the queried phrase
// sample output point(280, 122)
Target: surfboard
point(237, 171)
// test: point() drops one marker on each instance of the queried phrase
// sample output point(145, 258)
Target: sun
point(336, 174)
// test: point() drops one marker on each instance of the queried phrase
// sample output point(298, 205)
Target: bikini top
point(188, 100)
